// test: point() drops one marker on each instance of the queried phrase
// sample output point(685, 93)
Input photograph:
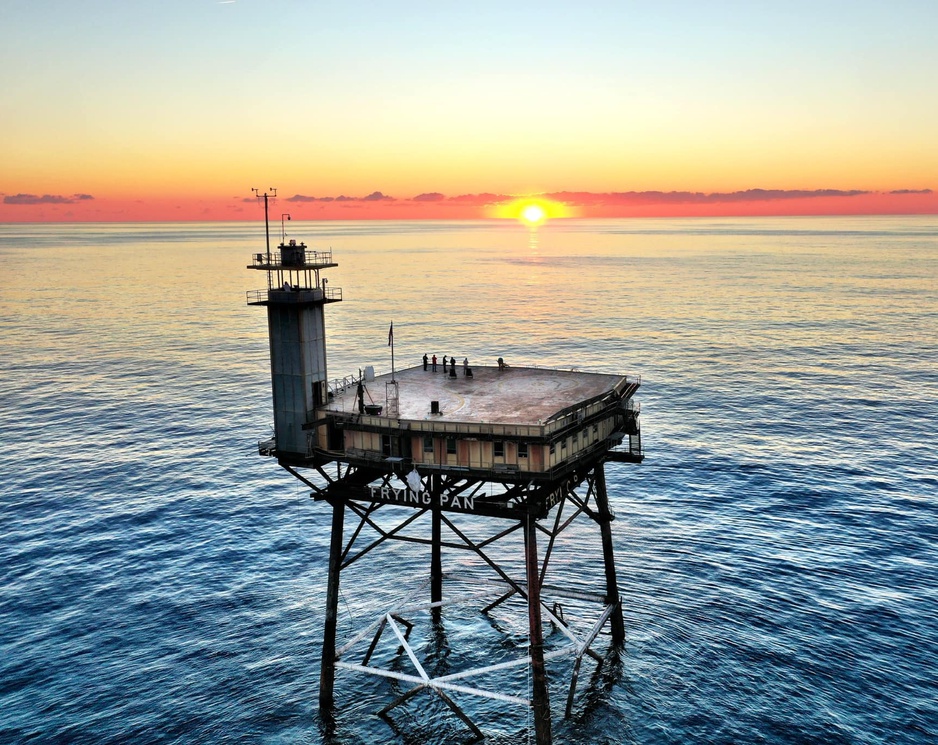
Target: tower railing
point(256, 297)
point(310, 258)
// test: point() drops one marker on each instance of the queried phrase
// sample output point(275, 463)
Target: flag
point(391, 334)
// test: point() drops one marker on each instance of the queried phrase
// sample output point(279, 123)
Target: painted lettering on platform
point(404, 495)
point(557, 494)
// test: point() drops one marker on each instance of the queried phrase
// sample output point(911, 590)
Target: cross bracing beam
point(577, 646)
point(365, 509)
point(384, 535)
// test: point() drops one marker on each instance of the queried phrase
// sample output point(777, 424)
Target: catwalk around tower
point(526, 447)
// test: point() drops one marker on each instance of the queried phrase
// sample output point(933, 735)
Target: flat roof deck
point(515, 395)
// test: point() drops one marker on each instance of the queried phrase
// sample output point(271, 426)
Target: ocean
point(777, 550)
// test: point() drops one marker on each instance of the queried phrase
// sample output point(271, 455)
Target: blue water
point(776, 550)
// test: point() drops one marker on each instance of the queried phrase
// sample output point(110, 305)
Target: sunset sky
point(174, 109)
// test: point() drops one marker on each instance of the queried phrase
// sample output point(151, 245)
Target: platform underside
point(495, 494)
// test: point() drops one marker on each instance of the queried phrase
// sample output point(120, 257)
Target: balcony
point(296, 256)
point(295, 295)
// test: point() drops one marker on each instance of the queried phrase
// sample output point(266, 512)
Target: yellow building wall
point(474, 453)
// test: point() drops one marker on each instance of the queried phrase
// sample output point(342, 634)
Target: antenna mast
point(273, 193)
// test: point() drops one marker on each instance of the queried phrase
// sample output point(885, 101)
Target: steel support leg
point(540, 696)
point(327, 671)
point(436, 558)
point(605, 529)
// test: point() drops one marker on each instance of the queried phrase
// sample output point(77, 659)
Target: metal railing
point(629, 379)
point(340, 385)
point(256, 297)
point(309, 258)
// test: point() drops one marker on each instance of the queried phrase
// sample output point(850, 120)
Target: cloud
point(377, 196)
point(911, 191)
point(481, 199)
point(433, 196)
point(20, 199)
point(587, 199)
point(304, 198)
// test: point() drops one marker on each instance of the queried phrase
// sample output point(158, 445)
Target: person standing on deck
point(425, 361)
point(444, 364)
point(433, 363)
point(465, 366)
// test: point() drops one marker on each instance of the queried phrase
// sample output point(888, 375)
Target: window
point(451, 446)
point(522, 450)
point(386, 444)
point(552, 446)
point(576, 437)
point(427, 444)
point(498, 449)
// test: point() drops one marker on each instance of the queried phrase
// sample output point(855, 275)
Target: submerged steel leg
point(612, 585)
point(327, 671)
point(462, 715)
point(573, 679)
point(540, 696)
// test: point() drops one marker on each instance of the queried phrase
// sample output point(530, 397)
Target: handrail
point(256, 297)
point(311, 258)
point(576, 369)
point(339, 385)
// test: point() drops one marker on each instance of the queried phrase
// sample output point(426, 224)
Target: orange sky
point(174, 110)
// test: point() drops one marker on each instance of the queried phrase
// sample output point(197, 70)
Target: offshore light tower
point(296, 327)
point(520, 449)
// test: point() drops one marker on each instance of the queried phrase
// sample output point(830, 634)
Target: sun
point(533, 214)
point(532, 210)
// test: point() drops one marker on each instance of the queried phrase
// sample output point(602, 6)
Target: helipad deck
point(515, 395)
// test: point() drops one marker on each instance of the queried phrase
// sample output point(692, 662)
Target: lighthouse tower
point(295, 298)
